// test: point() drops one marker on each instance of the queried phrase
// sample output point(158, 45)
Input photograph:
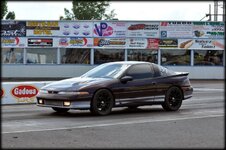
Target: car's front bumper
point(56, 100)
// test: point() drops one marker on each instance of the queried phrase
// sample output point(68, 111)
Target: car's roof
point(128, 62)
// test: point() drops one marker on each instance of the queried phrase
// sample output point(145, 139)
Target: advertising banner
point(168, 43)
point(110, 42)
point(142, 43)
point(143, 29)
point(20, 92)
point(42, 42)
point(208, 30)
point(75, 42)
point(13, 28)
point(201, 44)
point(76, 29)
point(42, 28)
point(109, 29)
point(13, 42)
point(176, 29)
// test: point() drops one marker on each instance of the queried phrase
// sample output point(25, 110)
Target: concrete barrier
point(20, 92)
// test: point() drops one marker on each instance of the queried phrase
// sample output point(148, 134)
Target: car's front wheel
point(60, 110)
point(173, 99)
point(102, 102)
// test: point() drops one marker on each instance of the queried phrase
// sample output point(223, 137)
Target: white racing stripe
point(117, 123)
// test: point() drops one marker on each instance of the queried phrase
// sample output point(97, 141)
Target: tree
point(88, 10)
point(10, 15)
point(4, 8)
point(4, 11)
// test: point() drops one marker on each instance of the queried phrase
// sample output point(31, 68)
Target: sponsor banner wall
point(138, 34)
point(142, 43)
point(13, 42)
point(42, 28)
point(109, 29)
point(201, 44)
point(13, 28)
point(143, 29)
point(109, 43)
point(208, 30)
point(75, 42)
point(76, 29)
point(176, 29)
point(42, 42)
point(20, 92)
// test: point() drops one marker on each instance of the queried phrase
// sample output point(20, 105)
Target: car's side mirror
point(125, 79)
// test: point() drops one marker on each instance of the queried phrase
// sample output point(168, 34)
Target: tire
point(173, 99)
point(60, 110)
point(102, 102)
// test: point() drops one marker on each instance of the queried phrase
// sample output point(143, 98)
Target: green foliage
point(4, 8)
point(88, 10)
point(11, 15)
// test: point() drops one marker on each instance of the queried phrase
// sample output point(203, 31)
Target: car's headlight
point(73, 93)
point(43, 92)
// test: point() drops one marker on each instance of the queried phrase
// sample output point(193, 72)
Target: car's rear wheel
point(173, 99)
point(60, 110)
point(102, 102)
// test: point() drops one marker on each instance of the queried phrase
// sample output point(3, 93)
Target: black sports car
point(116, 84)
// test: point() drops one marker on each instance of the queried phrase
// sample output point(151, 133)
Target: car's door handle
point(153, 83)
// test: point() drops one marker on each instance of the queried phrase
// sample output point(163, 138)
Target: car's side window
point(140, 71)
point(157, 71)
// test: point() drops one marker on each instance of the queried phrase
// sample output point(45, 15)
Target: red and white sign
point(13, 41)
point(142, 43)
point(24, 92)
point(143, 29)
point(2, 92)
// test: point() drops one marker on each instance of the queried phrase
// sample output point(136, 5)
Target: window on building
point(108, 55)
point(41, 55)
point(75, 56)
point(12, 55)
point(175, 57)
point(208, 57)
point(143, 55)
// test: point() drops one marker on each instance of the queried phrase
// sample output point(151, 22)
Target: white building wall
point(66, 71)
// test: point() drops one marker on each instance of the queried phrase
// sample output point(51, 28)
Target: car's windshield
point(106, 71)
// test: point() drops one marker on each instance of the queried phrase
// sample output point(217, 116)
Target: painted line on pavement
point(118, 123)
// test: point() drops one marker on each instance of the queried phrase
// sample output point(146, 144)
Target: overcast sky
point(192, 11)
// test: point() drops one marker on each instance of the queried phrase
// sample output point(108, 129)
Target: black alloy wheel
point(173, 99)
point(60, 110)
point(102, 102)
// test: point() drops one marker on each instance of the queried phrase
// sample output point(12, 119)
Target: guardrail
point(20, 92)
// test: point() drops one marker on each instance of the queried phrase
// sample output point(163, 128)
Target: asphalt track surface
point(198, 124)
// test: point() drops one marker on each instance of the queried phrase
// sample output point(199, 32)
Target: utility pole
point(209, 12)
point(215, 10)
point(223, 11)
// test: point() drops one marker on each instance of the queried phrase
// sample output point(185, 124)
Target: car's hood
point(73, 83)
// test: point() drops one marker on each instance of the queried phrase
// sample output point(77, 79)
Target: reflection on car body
point(117, 84)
